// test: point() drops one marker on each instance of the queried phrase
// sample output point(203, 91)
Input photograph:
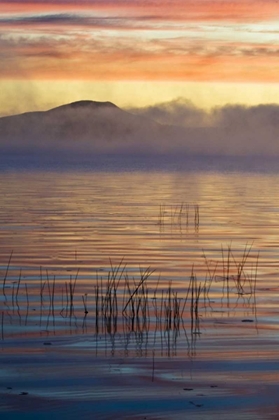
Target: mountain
point(89, 127)
point(79, 126)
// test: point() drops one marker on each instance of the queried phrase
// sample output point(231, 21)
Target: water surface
point(61, 225)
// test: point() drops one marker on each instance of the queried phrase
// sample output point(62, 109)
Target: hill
point(80, 126)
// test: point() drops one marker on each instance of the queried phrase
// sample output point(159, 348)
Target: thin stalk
point(6, 274)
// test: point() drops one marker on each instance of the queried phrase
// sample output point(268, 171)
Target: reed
point(190, 289)
point(52, 295)
point(161, 216)
point(97, 305)
point(197, 217)
point(42, 285)
point(69, 291)
point(84, 301)
point(27, 297)
point(144, 275)
point(138, 304)
point(18, 285)
point(240, 276)
point(13, 295)
point(6, 274)
point(210, 275)
point(72, 286)
point(226, 270)
point(187, 215)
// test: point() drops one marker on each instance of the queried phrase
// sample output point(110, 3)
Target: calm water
point(216, 227)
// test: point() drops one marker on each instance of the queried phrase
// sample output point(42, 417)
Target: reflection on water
point(135, 294)
point(80, 245)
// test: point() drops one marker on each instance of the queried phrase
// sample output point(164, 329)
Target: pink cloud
point(146, 40)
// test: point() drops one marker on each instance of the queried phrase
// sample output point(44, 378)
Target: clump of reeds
point(179, 215)
point(238, 274)
point(106, 298)
point(129, 302)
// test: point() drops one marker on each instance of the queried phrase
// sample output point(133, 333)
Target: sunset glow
point(200, 42)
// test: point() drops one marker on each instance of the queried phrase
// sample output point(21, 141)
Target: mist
point(233, 130)
point(176, 127)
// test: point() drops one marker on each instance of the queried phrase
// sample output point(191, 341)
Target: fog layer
point(168, 128)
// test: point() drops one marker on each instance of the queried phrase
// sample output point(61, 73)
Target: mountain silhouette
point(79, 126)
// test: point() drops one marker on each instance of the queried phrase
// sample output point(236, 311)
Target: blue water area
point(130, 163)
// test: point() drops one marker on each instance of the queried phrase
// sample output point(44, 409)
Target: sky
point(138, 53)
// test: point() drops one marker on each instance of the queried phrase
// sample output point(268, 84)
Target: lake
point(136, 288)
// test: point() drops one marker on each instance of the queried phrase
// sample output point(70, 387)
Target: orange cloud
point(236, 10)
point(194, 40)
point(68, 64)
